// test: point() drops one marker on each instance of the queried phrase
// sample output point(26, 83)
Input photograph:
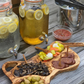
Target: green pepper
point(61, 47)
point(48, 47)
point(42, 54)
point(53, 52)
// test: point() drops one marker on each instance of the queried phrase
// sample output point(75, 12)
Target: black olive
point(40, 63)
point(19, 66)
point(45, 70)
point(33, 69)
point(17, 73)
point(47, 74)
point(20, 71)
point(41, 72)
point(23, 73)
point(44, 74)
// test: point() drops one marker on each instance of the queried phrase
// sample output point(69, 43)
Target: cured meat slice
point(56, 65)
point(74, 61)
point(67, 65)
point(70, 55)
point(67, 60)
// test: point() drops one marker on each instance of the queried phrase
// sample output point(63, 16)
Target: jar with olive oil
point(34, 15)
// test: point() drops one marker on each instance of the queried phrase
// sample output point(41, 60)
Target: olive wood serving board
point(53, 71)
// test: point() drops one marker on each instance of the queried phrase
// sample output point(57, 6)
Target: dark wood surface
point(72, 77)
point(16, 4)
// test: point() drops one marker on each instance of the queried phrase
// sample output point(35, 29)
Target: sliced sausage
point(70, 55)
point(74, 61)
point(67, 60)
point(56, 65)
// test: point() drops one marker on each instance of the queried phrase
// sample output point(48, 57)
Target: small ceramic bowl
point(62, 32)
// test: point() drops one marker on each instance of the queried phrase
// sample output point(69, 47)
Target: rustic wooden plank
point(4, 80)
point(15, 2)
point(82, 82)
point(15, 10)
point(52, 20)
point(64, 78)
point(52, 6)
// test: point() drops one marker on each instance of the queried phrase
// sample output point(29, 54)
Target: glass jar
point(9, 30)
point(34, 15)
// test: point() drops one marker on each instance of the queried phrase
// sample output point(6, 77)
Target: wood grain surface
point(15, 4)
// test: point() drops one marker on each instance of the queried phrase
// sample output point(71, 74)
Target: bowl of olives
point(32, 80)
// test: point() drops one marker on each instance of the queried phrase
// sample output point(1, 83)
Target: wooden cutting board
point(53, 71)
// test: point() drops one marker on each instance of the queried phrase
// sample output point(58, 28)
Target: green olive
point(30, 83)
point(22, 83)
point(26, 81)
point(41, 81)
point(36, 82)
point(29, 78)
point(36, 78)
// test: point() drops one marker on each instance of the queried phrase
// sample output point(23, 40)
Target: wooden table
point(72, 77)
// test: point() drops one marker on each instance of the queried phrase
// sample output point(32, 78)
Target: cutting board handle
point(51, 76)
point(12, 64)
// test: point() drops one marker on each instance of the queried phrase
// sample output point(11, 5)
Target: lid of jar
point(33, 1)
point(5, 5)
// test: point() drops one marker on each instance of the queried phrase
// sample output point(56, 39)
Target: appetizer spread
point(41, 68)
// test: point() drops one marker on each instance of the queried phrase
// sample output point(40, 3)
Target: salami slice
point(56, 65)
point(67, 60)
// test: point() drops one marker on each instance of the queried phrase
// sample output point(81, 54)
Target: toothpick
point(67, 50)
point(25, 59)
point(60, 60)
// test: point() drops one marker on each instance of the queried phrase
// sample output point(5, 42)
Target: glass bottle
point(34, 15)
point(9, 30)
